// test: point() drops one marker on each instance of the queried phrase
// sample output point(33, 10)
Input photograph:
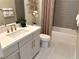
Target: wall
point(65, 13)
point(28, 16)
point(19, 6)
point(6, 4)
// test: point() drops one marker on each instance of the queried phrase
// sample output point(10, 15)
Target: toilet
point(44, 40)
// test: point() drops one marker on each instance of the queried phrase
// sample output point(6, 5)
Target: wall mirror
point(10, 10)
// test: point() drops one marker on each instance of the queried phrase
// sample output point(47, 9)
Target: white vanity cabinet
point(31, 47)
point(25, 46)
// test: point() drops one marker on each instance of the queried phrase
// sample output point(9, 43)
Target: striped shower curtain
point(47, 16)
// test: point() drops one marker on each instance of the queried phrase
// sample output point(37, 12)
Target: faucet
point(12, 28)
point(15, 27)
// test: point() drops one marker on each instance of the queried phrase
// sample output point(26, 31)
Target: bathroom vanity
point(24, 43)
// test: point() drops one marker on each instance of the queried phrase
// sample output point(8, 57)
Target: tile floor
point(63, 46)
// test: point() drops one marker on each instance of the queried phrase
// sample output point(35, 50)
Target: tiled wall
point(65, 13)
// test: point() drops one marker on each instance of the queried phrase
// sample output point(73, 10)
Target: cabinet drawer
point(9, 50)
point(25, 40)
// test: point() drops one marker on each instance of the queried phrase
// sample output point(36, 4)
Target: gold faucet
point(15, 27)
point(12, 28)
point(8, 31)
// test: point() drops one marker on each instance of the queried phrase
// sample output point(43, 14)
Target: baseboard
point(65, 30)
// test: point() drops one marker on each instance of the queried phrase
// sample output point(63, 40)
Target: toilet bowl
point(44, 40)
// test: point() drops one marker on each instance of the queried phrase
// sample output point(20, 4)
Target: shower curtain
point(47, 16)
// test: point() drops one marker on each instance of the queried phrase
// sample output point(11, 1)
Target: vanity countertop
point(7, 41)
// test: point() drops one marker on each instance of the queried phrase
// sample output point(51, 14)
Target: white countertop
point(8, 41)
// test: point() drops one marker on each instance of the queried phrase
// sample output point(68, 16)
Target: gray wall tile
point(65, 13)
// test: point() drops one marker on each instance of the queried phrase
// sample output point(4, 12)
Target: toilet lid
point(45, 37)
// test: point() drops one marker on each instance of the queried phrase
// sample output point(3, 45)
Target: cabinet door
point(26, 51)
point(36, 45)
point(14, 56)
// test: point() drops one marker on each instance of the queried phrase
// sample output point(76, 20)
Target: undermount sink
point(17, 33)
